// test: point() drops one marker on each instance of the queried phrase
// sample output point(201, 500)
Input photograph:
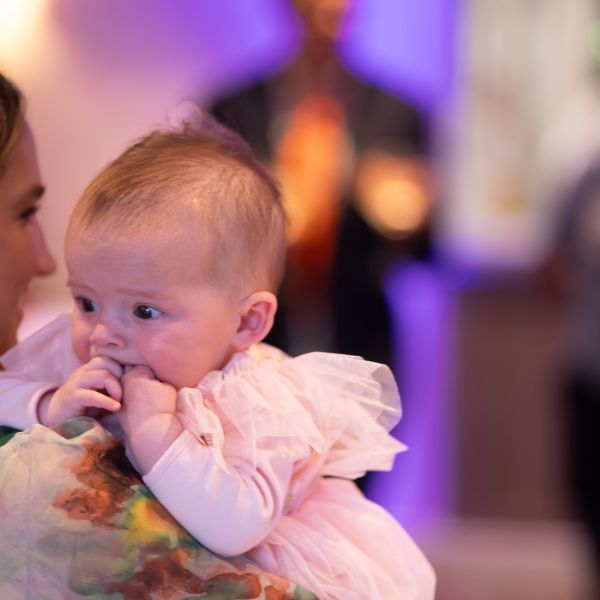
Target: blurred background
point(438, 159)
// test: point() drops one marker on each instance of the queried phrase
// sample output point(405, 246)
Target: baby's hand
point(144, 396)
point(148, 416)
point(95, 384)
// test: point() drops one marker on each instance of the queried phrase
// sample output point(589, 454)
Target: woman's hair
point(226, 194)
point(12, 119)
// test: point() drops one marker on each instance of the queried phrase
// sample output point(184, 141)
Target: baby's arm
point(19, 399)
point(228, 504)
point(35, 367)
point(229, 507)
point(229, 510)
point(93, 385)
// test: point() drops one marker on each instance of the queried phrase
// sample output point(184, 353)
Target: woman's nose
point(44, 261)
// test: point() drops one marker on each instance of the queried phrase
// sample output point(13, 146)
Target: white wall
point(522, 61)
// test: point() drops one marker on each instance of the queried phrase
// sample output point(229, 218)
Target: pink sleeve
point(228, 508)
point(35, 366)
point(19, 400)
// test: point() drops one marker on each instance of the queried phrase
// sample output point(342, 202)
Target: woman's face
point(23, 251)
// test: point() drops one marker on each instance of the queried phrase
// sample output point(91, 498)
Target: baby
point(175, 253)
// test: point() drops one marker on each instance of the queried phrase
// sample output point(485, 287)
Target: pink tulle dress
point(270, 448)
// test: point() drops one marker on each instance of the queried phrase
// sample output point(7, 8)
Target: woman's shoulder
point(44, 352)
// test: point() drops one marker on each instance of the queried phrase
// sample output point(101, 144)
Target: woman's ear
point(257, 312)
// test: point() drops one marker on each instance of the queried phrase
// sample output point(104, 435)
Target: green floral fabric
point(76, 521)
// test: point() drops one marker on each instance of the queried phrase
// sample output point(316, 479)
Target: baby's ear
point(257, 312)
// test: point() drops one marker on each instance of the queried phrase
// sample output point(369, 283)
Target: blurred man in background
point(352, 161)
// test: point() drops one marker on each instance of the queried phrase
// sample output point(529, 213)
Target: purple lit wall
point(211, 44)
point(420, 487)
point(408, 46)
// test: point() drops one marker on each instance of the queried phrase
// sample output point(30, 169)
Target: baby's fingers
point(95, 399)
point(105, 363)
point(100, 379)
point(113, 389)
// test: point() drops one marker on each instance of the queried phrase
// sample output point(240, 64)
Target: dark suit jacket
point(375, 120)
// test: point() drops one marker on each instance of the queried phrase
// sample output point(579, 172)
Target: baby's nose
point(103, 335)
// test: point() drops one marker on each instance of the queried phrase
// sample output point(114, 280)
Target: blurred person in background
point(23, 250)
point(571, 176)
point(352, 161)
point(574, 271)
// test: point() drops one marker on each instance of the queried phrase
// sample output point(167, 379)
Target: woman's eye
point(86, 305)
point(143, 311)
point(29, 213)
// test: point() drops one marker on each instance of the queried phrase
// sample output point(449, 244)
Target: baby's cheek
point(179, 373)
point(175, 363)
point(159, 358)
point(81, 345)
point(170, 372)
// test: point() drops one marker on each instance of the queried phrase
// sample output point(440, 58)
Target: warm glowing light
point(397, 206)
point(17, 18)
point(310, 164)
point(393, 194)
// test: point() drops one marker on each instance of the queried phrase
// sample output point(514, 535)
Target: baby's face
point(144, 302)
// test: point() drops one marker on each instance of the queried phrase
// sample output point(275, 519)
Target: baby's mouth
point(125, 366)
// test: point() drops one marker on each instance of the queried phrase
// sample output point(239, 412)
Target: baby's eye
point(86, 305)
point(143, 311)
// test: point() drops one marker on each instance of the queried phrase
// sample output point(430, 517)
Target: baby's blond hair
point(210, 172)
